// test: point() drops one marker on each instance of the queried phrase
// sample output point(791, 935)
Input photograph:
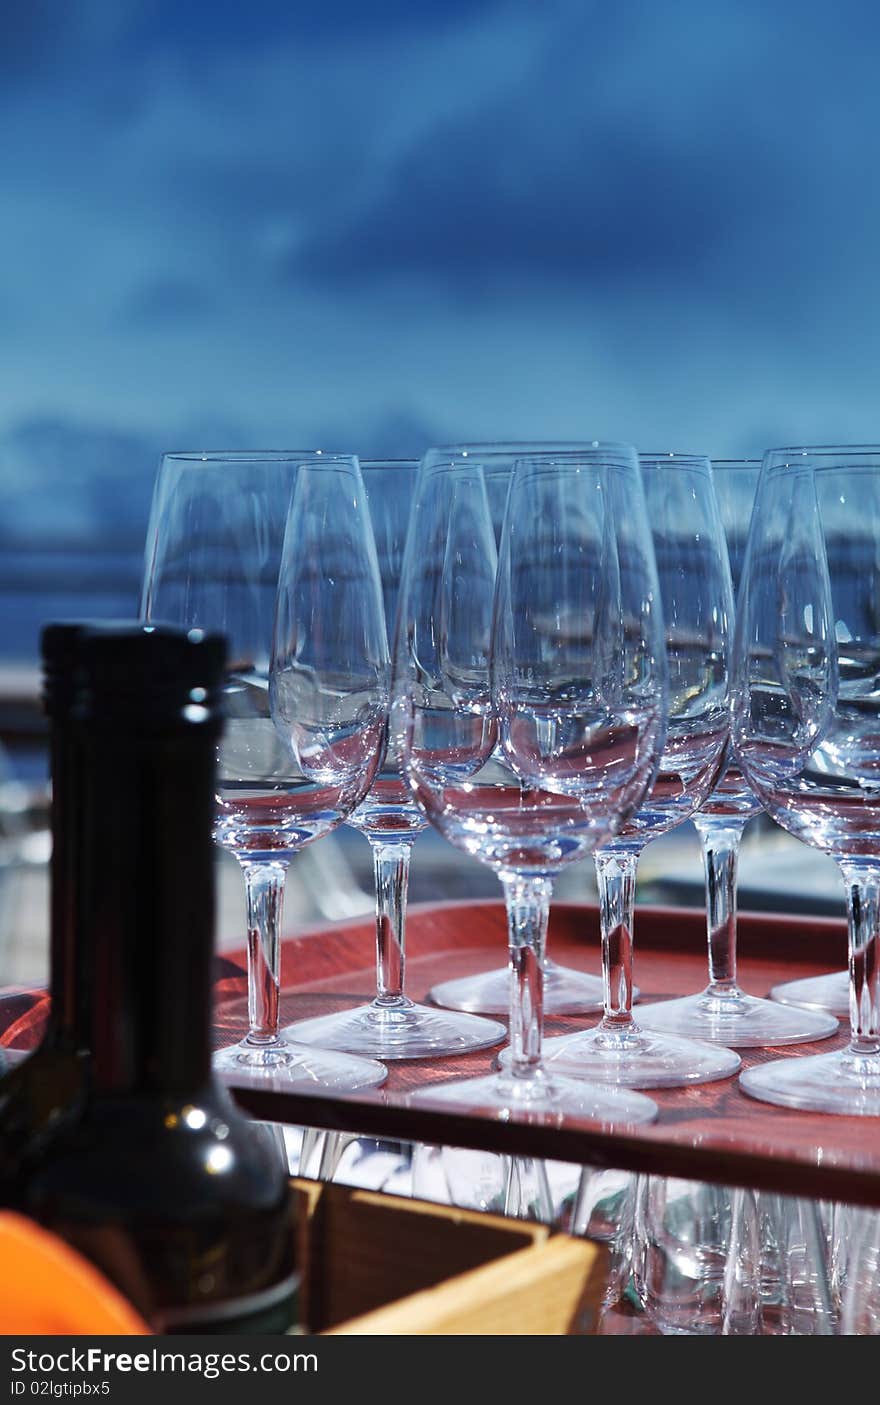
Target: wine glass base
point(286, 1065)
point(566, 992)
point(840, 1082)
point(738, 1021)
point(639, 1058)
point(541, 1098)
point(828, 993)
point(399, 1029)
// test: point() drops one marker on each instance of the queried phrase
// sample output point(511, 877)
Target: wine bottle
point(36, 1093)
point(158, 1179)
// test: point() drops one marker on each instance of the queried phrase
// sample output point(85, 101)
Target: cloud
point(394, 433)
point(34, 34)
point(66, 481)
point(350, 225)
point(144, 156)
point(69, 480)
point(169, 301)
point(226, 22)
point(592, 200)
point(678, 145)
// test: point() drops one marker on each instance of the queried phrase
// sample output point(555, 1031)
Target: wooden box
point(386, 1266)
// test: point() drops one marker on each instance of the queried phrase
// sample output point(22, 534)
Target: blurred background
point(377, 224)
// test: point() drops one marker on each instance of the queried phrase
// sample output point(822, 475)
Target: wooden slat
point(552, 1289)
point(363, 1249)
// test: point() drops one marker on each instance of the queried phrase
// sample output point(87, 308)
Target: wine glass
point(392, 1026)
point(780, 1278)
point(515, 1186)
point(723, 1013)
point(681, 1237)
point(214, 551)
point(698, 609)
point(566, 991)
point(860, 1312)
point(530, 728)
point(805, 710)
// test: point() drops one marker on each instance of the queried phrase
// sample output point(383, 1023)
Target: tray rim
point(805, 1170)
point(644, 1151)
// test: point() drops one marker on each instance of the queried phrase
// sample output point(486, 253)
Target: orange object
point(47, 1288)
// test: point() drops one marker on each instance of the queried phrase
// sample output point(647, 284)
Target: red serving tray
point(711, 1132)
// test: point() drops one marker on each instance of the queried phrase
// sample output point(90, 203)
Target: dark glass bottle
point(159, 1180)
point(36, 1093)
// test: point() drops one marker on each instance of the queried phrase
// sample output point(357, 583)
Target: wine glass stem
point(720, 839)
point(616, 877)
point(863, 910)
point(391, 870)
point(528, 908)
point(264, 890)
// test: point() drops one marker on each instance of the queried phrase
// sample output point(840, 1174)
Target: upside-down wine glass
point(697, 610)
point(806, 722)
point(566, 991)
point(529, 730)
point(214, 551)
point(392, 1026)
point(723, 1013)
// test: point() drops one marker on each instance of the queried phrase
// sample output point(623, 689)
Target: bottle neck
point(146, 865)
point(70, 947)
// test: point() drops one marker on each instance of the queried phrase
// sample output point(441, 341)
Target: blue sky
point(377, 223)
